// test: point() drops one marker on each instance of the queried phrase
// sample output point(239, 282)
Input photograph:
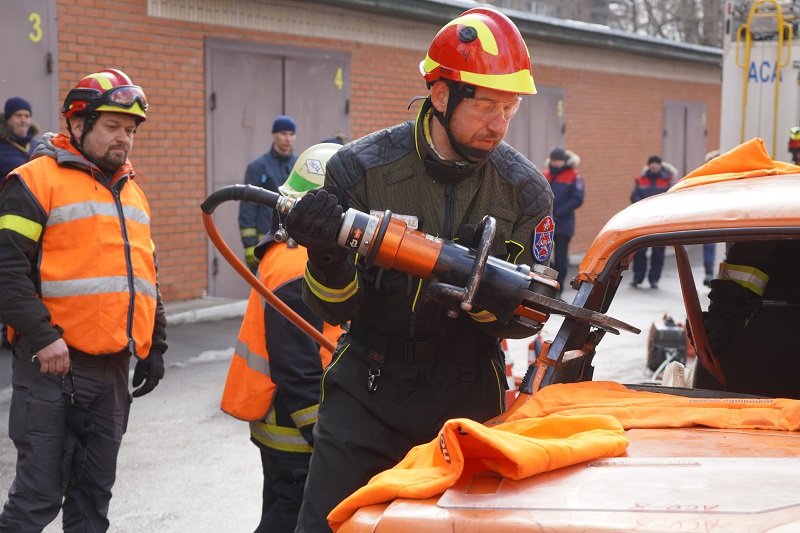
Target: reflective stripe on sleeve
point(483, 316)
point(248, 232)
point(23, 226)
point(327, 294)
point(748, 277)
point(286, 439)
point(305, 417)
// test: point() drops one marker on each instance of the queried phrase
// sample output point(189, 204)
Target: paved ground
point(187, 467)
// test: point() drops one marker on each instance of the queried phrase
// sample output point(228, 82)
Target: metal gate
point(248, 85)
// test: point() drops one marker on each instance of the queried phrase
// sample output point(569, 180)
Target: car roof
point(710, 211)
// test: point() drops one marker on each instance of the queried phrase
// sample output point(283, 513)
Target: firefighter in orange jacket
point(78, 286)
point(274, 377)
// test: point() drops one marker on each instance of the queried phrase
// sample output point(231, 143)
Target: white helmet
point(308, 171)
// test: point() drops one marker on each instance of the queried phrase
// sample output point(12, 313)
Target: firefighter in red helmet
point(794, 144)
point(406, 366)
point(79, 287)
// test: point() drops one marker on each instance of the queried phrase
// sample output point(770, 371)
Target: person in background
point(17, 131)
point(567, 187)
point(794, 144)
point(79, 286)
point(268, 171)
point(653, 180)
point(406, 366)
point(274, 377)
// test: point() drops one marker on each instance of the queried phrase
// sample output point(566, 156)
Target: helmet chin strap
point(459, 91)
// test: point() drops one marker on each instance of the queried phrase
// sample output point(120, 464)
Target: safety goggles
point(125, 96)
point(487, 110)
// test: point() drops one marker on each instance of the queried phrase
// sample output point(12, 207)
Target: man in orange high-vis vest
point(275, 373)
point(78, 286)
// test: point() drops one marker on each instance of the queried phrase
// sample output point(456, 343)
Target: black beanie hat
point(654, 159)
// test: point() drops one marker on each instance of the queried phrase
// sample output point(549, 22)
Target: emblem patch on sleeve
point(543, 239)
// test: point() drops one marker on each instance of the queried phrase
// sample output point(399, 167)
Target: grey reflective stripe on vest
point(84, 286)
point(77, 211)
point(254, 361)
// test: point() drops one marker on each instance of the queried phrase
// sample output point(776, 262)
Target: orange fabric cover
point(748, 160)
point(515, 449)
point(561, 425)
point(634, 409)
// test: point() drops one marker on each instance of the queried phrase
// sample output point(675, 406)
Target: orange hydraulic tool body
point(459, 278)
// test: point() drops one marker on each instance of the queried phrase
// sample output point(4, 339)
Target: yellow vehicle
point(703, 457)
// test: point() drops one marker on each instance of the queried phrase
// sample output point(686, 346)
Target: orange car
point(575, 455)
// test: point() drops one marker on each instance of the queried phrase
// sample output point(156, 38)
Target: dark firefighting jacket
point(391, 169)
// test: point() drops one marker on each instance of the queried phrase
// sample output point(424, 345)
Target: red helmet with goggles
point(483, 48)
point(794, 138)
point(108, 90)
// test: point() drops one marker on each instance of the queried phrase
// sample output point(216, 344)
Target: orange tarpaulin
point(634, 409)
point(748, 160)
point(562, 424)
point(515, 449)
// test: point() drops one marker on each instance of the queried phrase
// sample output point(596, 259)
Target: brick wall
point(613, 121)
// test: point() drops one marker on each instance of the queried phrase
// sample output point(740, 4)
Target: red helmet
point(483, 48)
point(107, 90)
point(794, 138)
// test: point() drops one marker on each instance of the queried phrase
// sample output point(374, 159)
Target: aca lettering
point(764, 72)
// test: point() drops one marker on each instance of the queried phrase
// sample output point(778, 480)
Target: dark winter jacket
point(649, 184)
point(567, 187)
point(268, 171)
point(14, 150)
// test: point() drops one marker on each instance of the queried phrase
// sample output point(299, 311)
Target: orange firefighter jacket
point(97, 271)
point(274, 377)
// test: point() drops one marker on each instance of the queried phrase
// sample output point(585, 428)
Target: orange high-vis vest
point(249, 388)
point(97, 271)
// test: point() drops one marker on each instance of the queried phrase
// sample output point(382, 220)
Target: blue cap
point(15, 104)
point(284, 123)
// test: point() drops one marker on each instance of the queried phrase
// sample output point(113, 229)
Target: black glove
point(720, 333)
point(314, 221)
point(150, 371)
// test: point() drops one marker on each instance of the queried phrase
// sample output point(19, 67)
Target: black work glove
point(720, 333)
point(148, 373)
point(314, 221)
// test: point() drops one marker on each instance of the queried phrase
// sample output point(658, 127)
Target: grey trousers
point(38, 429)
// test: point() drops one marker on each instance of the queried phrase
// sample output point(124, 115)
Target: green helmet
point(308, 171)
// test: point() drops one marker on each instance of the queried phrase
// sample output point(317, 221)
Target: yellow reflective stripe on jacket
point(331, 295)
point(248, 232)
point(483, 316)
point(282, 438)
point(305, 417)
point(23, 226)
point(748, 277)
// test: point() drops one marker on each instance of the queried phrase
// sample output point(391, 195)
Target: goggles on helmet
point(85, 100)
point(487, 110)
point(125, 96)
